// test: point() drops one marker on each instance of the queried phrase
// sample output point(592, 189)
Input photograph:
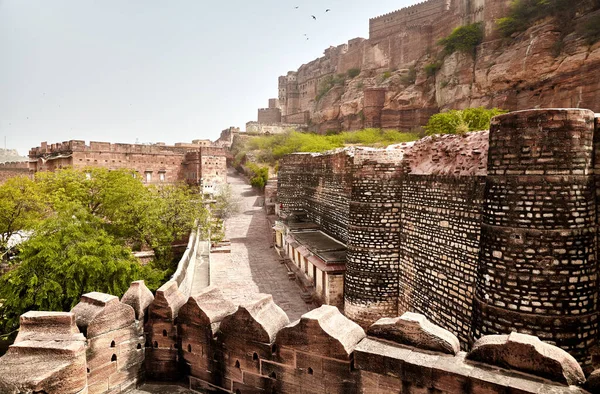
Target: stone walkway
point(253, 265)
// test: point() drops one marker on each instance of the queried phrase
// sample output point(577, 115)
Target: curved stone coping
point(258, 320)
point(324, 331)
point(139, 297)
point(416, 330)
point(206, 308)
point(167, 302)
point(528, 354)
point(98, 313)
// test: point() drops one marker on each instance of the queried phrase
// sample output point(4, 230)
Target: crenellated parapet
point(253, 347)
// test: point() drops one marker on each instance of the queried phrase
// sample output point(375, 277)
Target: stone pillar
point(372, 266)
point(537, 269)
point(374, 100)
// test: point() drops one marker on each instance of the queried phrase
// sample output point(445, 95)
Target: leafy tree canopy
point(84, 225)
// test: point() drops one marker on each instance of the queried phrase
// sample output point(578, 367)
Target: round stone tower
point(537, 269)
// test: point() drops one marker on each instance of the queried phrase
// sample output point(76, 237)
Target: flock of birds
point(314, 18)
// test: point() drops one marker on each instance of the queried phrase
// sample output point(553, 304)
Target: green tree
point(70, 254)
point(226, 205)
point(461, 121)
point(21, 207)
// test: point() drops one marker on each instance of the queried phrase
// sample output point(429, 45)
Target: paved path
point(253, 266)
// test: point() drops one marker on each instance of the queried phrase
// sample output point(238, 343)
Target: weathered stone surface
point(52, 362)
point(167, 302)
point(415, 330)
point(139, 297)
point(258, 320)
point(98, 313)
point(50, 325)
point(528, 354)
point(323, 331)
point(206, 310)
point(593, 382)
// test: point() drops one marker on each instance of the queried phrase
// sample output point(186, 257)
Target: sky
point(156, 71)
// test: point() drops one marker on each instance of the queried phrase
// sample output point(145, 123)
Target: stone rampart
point(13, 169)
point(485, 233)
point(253, 347)
point(320, 185)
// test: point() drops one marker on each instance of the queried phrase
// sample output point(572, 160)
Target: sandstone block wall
point(538, 272)
point(439, 244)
point(13, 169)
point(155, 164)
point(320, 186)
point(372, 268)
point(482, 240)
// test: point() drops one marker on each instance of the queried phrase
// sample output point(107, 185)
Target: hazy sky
point(149, 70)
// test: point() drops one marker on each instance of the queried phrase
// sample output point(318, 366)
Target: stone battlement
point(253, 347)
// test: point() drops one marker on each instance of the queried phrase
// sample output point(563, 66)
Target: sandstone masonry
point(486, 233)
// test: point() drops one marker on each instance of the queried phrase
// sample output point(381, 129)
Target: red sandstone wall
point(13, 169)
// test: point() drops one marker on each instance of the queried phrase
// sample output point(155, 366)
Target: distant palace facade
point(197, 163)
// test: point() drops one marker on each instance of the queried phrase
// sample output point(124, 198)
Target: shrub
point(432, 68)
point(353, 73)
point(411, 77)
point(259, 175)
point(328, 83)
point(386, 75)
point(464, 39)
point(523, 13)
point(461, 121)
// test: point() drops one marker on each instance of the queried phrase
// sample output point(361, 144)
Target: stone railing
point(184, 275)
point(216, 346)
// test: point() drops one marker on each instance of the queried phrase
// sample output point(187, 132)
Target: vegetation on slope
point(461, 121)
point(463, 39)
point(269, 149)
point(83, 226)
point(524, 13)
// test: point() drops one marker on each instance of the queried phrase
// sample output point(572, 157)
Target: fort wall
point(485, 233)
point(155, 164)
point(222, 347)
point(13, 169)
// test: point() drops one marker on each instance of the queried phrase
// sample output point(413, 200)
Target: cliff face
point(539, 68)
point(10, 155)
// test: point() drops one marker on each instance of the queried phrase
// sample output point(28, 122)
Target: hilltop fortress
point(405, 41)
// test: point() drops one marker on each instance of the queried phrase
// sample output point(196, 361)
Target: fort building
point(198, 163)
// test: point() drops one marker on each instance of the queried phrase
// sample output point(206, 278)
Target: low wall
point(13, 169)
point(252, 348)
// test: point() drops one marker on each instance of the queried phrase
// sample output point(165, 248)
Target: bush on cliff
point(464, 39)
point(524, 13)
point(461, 121)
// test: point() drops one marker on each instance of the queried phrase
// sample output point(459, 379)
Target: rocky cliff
point(10, 155)
point(541, 67)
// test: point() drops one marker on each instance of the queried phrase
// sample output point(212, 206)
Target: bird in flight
point(296, 7)
point(314, 17)
point(327, 10)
